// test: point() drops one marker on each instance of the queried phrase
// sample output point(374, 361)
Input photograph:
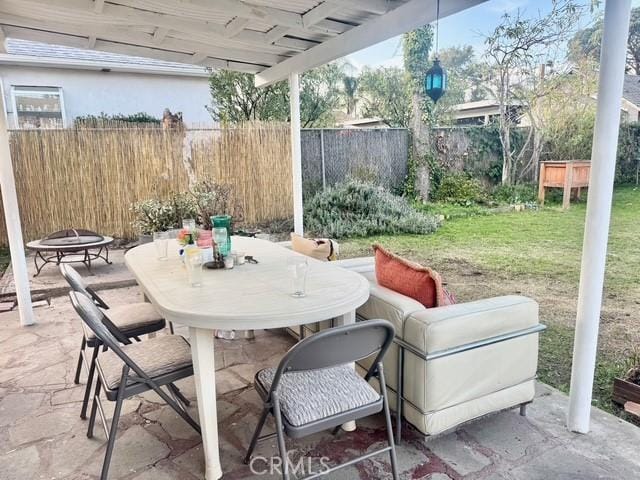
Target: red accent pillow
point(410, 279)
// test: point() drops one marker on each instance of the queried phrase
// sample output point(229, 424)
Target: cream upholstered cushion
point(312, 395)
point(435, 329)
point(443, 393)
point(155, 356)
point(470, 376)
point(132, 317)
point(387, 304)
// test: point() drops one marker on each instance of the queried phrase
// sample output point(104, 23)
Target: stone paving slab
point(50, 282)
point(42, 436)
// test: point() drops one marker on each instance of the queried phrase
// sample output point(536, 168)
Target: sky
point(465, 28)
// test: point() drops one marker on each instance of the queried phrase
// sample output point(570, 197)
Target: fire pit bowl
point(74, 245)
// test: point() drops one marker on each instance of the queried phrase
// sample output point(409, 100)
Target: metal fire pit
point(70, 246)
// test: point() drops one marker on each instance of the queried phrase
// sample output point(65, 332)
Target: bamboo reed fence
point(88, 178)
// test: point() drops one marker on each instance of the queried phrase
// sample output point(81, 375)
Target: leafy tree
point(566, 115)
point(350, 87)
point(385, 93)
point(416, 46)
point(586, 42)
point(320, 95)
point(465, 74)
point(236, 98)
point(514, 51)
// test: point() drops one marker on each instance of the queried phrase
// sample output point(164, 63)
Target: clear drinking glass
point(298, 268)
point(193, 262)
point(161, 241)
point(189, 224)
point(221, 237)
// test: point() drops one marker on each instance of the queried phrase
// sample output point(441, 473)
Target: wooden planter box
point(570, 175)
point(625, 391)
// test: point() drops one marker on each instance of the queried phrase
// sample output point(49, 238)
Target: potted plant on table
point(152, 215)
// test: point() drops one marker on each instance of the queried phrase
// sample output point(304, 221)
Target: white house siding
point(93, 92)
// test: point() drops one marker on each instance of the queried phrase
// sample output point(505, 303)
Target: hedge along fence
point(87, 178)
point(477, 150)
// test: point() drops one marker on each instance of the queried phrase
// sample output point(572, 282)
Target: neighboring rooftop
point(26, 52)
point(631, 90)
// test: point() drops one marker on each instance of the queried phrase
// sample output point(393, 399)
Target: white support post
point(12, 219)
point(296, 152)
point(594, 252)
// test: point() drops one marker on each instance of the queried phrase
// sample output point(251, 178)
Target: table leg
point(347, 319)
point(205, 378)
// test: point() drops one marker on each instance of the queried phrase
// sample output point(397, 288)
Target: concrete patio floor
point(42, 436)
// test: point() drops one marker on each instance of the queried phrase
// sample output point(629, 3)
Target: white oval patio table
point(248, 297)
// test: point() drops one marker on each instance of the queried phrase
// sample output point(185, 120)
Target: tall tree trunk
point(420, 148)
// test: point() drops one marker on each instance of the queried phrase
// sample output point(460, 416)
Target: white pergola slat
point(255, 36)
point(281, 39)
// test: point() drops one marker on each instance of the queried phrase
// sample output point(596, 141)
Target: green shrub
point(357, 209)
point(523, 193)
point(461, 189)
point(153, 215)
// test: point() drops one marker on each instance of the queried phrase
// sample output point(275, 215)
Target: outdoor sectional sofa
point(457, 362)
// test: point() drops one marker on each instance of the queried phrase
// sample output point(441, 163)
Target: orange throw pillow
point(409, 278)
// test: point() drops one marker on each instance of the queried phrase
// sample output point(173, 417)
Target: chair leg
point(523, 410)
point(256, 434)
point(87, 390)
point(83, 345)
point(176, 391)
point(400, 394)
point(280, 433)
point(180, 411)
point(171, 328)
point(113, 431)
point(94, 408)
point(387, 415)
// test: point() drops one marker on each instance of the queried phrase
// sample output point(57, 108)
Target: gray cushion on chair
point(132, 317)
point(316, 394)
point(155, 356)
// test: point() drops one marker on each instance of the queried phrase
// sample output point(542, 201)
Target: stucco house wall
point(93, 92)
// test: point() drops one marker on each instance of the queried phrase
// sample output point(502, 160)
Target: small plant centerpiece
point(187, 236)
point(151, 216)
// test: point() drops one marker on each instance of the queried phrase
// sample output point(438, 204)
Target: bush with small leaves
point(460, 189)
point(358, 209)
point(522, 193)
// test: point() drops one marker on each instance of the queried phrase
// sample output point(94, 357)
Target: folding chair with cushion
point(315, 388)
point(124, 371)
point(132, 320)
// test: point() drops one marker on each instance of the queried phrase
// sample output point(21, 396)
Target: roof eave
point(46, 62)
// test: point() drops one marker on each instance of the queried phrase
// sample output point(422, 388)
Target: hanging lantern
point(435, 82)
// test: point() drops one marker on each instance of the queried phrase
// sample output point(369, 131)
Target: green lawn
point(537, 253)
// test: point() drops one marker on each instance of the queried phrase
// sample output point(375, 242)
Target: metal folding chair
point(132, 320)
point(124, 371)
point(315, 388)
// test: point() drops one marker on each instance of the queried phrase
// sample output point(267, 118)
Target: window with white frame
point(38, 107)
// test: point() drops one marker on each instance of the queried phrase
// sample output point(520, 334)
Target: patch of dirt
point(620, 321)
